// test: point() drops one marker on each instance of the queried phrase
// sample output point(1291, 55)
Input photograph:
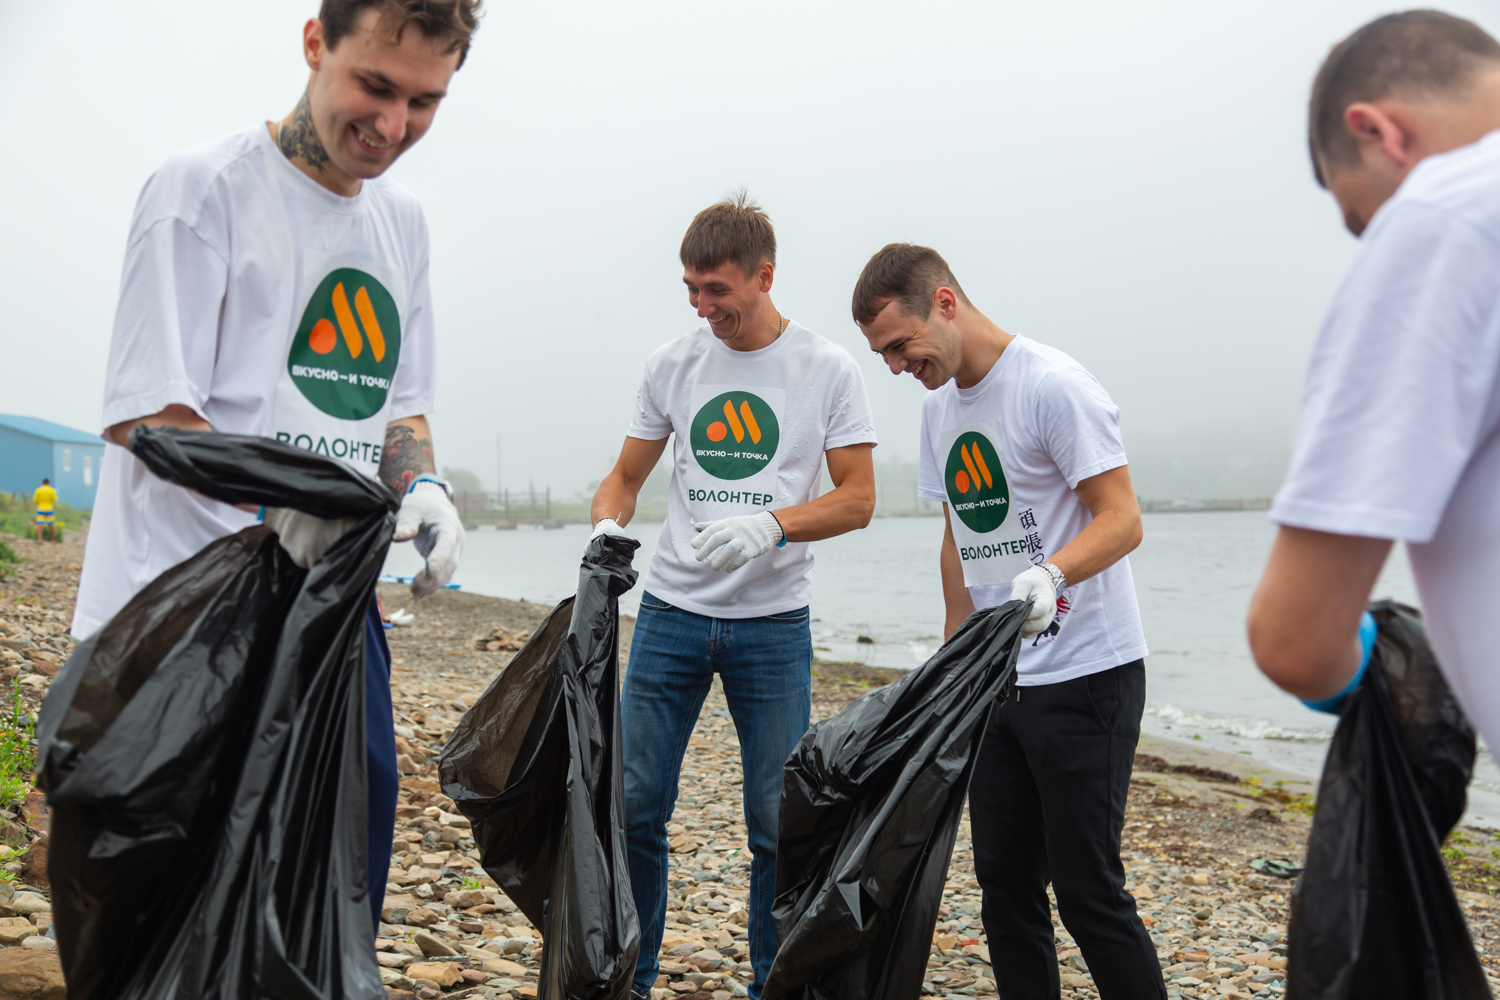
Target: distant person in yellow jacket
point(45, 499)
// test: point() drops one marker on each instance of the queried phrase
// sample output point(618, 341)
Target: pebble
point(447, 930)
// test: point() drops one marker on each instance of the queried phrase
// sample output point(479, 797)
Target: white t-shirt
point(1005, 456)
point(1399, 434)
point(270, 306)
point(751, 428)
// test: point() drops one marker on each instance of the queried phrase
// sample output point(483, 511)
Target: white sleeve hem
point(1343, 519)
point(148, 404)
point(420, 408)
point(1097, 468)
point(643, 433)
point(852, 437)
point(932, 495)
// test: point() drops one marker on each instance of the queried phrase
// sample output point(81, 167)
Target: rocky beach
point(1194, 822)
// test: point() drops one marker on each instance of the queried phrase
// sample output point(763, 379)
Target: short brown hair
point(454, 20)
point(1417, 53)
point(906, 274)
point(734, 231)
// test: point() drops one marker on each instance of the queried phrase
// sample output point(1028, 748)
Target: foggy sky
point(1127, 182)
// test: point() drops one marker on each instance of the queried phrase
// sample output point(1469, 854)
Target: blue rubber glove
point(1335, 704)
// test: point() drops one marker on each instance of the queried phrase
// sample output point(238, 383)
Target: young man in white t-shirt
point(757, 403)
point(1022, 447)
point(275, 284)
point(1399, 436)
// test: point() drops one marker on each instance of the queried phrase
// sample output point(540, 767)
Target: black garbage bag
point(204, 753)
point(1373, 914)
point(536, 766)
point(870, 809)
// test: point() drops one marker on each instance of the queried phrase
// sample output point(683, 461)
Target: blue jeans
point(765, 665)
point(380, 748)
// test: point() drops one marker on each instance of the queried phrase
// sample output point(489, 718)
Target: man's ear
point(1375, 130)
point(314, 46)
point(767, 275)
point(946, 302)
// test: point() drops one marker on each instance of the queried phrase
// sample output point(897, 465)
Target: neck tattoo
point(298, 138)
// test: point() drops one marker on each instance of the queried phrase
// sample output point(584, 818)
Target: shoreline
point(1195, 817)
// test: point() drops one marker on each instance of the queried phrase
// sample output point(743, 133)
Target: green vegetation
point(17, 748)
point(8, 560)
point(472, 883)
point(1463, 856)
point(18, 517)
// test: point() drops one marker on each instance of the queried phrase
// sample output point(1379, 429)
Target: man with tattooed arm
point(275, 284)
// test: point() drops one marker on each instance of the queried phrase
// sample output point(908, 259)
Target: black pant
point(1047, 803)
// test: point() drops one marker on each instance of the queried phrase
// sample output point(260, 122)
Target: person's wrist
point(437, 481)
point(777, 531)
point(1059, 581)
point(1334, 704)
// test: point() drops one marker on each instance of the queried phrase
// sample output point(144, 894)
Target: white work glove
point(734, 541)
point(429, 517)
point(1037, 582)
point(305, 537)
point(606, 526)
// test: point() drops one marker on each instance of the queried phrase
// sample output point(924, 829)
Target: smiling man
point(275, 284)
point(1022, 447)
point(757, 404)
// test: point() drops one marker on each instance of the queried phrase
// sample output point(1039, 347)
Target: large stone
point(431, 946)
point(502, 967)
point(1073, 981)
point(31, 975)
point(14, 930)
point(444, 974)
point(421, 917)
point(39, 943)
point(29, 902)
point(392, 979)
point(464, 899)
point(34, 863)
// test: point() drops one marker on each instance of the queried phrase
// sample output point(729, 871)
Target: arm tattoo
point(404, 458)
point(298, 138)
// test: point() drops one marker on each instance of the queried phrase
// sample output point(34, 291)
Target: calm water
point(1194, 574)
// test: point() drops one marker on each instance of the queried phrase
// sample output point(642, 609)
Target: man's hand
point(1305, 616)
point(606, 526)
point(734, 541)
point(1037, 583)
point(305, 537)
point(429, 517)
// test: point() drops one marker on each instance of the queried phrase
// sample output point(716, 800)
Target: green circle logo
point(345, 350)
point(735, 435)
point(977, 492)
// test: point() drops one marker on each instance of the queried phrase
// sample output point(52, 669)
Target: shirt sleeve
point(929, 475)
point(849, 418)
point(1401, 381)
point(1079, 425)
point(166, 331)
point(414, 387)
point(649, 422)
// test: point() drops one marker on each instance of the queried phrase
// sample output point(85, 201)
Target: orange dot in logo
point(716, 431)
point(961, 481)
point(323, 337)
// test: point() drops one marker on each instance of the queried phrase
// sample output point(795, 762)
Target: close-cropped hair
point(733, 231)
point(1414, 54)
point(451, 20)
point(906, 274)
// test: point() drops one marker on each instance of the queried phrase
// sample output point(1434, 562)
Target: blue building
point(32, 449)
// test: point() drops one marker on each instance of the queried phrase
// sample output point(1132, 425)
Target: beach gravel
point(447, 931)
